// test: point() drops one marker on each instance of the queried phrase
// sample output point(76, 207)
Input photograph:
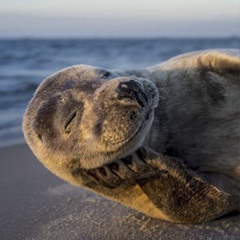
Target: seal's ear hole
point(63, 100)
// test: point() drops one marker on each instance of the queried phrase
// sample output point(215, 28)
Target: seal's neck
point(148, 73)
point(142, 73)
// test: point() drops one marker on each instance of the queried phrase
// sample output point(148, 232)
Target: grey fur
point(97, 129)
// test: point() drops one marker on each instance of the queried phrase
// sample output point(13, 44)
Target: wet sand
point(34, 204)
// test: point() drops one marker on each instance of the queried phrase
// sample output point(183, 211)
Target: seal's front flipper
point(182, 194)
point(159, 186)
point(117, 173)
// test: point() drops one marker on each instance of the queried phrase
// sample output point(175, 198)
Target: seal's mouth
point(137, 136)
point(129, 121)
point(147, 120)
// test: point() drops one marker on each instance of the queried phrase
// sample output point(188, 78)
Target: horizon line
point(114, 37)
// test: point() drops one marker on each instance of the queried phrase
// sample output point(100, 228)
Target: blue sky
point(119, 18)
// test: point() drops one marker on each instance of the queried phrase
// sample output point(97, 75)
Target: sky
point(119, 18)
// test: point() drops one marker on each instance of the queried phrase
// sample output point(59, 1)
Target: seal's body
point(198, 115)
point(163, 140)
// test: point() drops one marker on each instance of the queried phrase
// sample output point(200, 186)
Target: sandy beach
point(35, 204)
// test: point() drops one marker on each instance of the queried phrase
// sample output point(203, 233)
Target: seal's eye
point(67, 125)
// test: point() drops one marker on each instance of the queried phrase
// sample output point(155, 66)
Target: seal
point(163, 140)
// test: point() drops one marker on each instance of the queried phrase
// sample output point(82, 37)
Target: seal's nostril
point(132, 89)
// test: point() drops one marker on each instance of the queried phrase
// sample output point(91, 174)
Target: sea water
point(24, 63)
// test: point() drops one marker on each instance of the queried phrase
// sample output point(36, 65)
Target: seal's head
point(88, 116)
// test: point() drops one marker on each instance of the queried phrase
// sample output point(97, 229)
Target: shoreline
point(35, 204)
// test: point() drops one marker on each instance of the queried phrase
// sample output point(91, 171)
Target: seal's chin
point(124, 148)
point(141, 131)
point(132, 143)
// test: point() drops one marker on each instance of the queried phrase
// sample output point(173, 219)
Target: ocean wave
point(25, 63)
point(20, 88)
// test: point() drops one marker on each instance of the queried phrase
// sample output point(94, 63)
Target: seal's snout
point(132, 90)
